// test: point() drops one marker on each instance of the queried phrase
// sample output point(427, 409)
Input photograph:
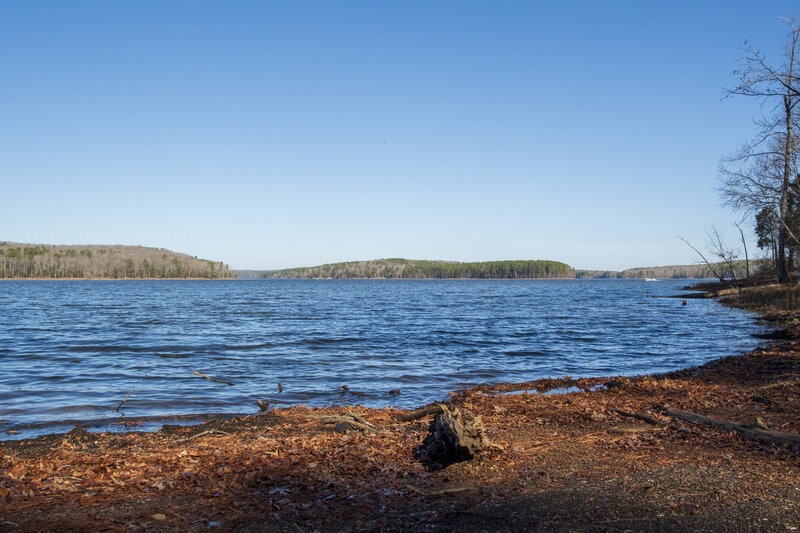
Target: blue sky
point(272, 135)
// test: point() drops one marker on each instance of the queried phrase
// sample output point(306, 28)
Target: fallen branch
point(777, 384)
point(426, 492)
point(349, 419)
point(434, 409)
point(638, 416)
point(125, 400)
point(210, 431)
point(212, 379)
point(756, 431)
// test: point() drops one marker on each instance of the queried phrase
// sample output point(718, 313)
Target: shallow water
point(71, 350)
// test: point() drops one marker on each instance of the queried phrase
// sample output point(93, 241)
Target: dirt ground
point(561, 462)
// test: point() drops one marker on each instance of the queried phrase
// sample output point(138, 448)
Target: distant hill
point(411, 268)
point(102, 261)
point(677, 271)
point(397, 268)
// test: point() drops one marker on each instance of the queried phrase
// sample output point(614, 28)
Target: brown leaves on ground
point(562, 461)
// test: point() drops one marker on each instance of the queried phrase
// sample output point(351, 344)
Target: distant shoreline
point(115, 279)
point(323, 279)
point(399, 268)
point(414, 279)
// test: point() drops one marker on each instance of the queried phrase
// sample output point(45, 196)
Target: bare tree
point(744, 246)
point(761, 171)
point(718, 247)
point(717, 273)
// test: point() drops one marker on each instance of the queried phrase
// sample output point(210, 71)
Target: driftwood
point(125, 400)
point(762, 399)
point(422, 412)
point(778, 384)
point(452, 438)
point(426, 492)
point(638, 416)
point(212, 379)
point(756, 431)
point(346, 422)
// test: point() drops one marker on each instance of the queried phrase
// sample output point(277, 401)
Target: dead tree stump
point(452, 438)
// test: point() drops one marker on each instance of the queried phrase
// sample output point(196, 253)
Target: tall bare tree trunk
point(744, 245)
point(780, 260)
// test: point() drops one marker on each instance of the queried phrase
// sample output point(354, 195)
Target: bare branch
point(709, 265)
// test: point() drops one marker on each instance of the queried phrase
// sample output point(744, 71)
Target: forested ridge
point(679, 271)
point(397, 268)
point(100, 261)
point(410, 268)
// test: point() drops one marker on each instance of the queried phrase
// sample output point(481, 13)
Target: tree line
point(422, 269)
point(737, 269)
point(105, 262)
point(397, 268)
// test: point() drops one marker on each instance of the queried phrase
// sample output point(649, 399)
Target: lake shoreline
point(117, 279)
point(602, 454)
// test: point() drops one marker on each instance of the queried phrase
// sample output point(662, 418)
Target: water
point(71, 350)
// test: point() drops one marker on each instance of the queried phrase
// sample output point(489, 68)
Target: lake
point(72, 350)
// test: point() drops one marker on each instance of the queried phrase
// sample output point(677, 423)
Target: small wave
point(142, 323)
point(324, 341)
point(160, 350)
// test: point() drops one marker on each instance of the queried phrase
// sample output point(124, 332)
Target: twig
point(212, 379)
point(347, 418)
point(208, 433)
point(711, 268)
point(421, 412)
point(125, 400)
point(426, 492)
point(637, 416)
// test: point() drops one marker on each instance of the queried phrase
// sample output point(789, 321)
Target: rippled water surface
point(71, 350)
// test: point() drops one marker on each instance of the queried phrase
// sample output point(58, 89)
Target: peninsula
point(44, 261)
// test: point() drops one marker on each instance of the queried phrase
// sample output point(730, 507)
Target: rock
point(343, 427)
point(452, 437)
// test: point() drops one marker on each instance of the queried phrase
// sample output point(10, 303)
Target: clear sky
point(280, 134)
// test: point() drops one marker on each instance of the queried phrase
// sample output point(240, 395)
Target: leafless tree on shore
point(760, 172)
